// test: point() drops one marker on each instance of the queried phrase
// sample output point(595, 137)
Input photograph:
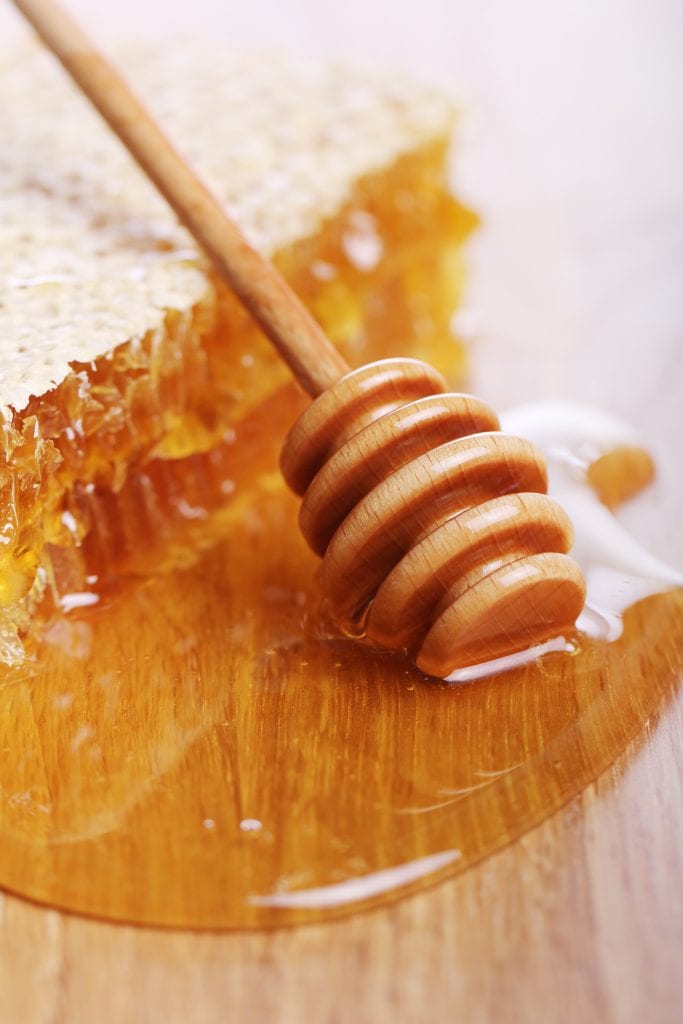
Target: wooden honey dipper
point(435, 530)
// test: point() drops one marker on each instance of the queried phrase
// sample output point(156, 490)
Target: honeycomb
point(146, 430)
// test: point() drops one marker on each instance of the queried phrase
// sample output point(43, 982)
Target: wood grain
point(577, 921)
point(581, 918)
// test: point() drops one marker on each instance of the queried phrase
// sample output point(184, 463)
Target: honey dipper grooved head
point(517, 606)
point(434, 527)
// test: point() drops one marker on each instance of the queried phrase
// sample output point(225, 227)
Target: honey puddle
point(192, 749)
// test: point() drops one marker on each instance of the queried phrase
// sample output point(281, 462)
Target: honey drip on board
point(195, 749)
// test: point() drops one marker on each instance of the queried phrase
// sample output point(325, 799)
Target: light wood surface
point(577, 918)
point(577, 921)
point(580, 918)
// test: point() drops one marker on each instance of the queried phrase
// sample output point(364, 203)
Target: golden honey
point(196, 749)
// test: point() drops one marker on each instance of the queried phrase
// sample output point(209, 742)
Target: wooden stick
point(299, 339)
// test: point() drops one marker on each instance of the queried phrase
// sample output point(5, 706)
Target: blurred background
point(569, 145)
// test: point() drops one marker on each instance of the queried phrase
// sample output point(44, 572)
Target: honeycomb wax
point(123, 359)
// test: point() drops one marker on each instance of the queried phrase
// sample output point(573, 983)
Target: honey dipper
point(436, 533)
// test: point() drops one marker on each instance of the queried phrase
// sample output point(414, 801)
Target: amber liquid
point(196, 749)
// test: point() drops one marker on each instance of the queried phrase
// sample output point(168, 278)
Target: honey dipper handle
point(299, 339)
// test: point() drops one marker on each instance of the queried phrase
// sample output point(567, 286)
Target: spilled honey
point(190, 747)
